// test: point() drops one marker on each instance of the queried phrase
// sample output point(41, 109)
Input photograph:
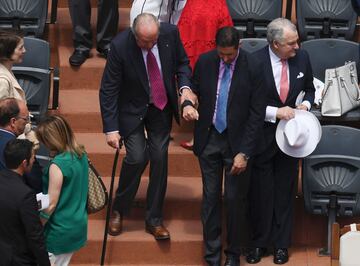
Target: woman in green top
point(66, 182)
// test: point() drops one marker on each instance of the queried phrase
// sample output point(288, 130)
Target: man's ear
point(25, 163)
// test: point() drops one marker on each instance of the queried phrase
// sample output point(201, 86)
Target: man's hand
point(239, 164)
point(285, 113)
point(188, 95)
point(302, 107)
point(190, 113)
point(113, 139)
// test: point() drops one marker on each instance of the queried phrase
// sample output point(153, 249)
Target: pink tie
point(284, 82)
point(157, 87)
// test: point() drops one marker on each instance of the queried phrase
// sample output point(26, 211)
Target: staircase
point(80, 105)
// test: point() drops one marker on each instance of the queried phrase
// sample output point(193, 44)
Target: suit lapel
point(269, 75)
point(235, 79)
point(138, 61)
point(165, 55)
point(213, 79)
point(293, 72)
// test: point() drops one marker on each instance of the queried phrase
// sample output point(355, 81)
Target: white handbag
point(341, 92)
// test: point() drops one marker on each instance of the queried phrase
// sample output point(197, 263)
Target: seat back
point(345, 244)
point(34, 75)
point(252, 45)
point(333, 169)
point(251, 17)
point(330, 53)
point(325, 19)
point(28, 15)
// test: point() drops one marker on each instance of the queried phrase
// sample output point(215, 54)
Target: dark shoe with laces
point(232, 261)
point(255, 255)
point(281, 256)
point(78, 57)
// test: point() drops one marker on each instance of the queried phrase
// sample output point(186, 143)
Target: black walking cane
point(103, 253)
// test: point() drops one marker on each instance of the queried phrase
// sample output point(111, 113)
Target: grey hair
point(144, 19)
point(275, 29)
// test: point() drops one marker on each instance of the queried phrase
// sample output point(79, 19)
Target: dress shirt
point(276, 66)
point(221, 72)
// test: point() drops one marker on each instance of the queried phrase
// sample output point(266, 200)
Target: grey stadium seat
point(331, 175)
point(35, 75)
point(325, 19)
point(251, 17)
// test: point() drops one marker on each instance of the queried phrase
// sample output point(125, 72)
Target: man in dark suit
point(14, 115)
point(21, 232)
point(287, 72)
point(107, 28)
point(138, 91)
point(228, 84)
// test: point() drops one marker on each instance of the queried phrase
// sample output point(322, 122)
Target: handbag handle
point(343, 84)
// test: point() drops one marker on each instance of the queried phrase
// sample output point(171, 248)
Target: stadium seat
point(35, 75)
point(252, 45)
point(251, 17)
point(26, 15)
point(325, 19)
point(331, 176)
point(330, 53)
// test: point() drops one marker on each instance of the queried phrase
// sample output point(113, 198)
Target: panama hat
point(299, 136)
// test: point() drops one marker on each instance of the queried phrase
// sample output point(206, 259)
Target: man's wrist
point(187, 103)
point(181, 90)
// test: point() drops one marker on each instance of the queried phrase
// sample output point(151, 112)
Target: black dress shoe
point(104, 52)
point(232, 261)
point(255, 255)
point(281, 256)
point(78, 57)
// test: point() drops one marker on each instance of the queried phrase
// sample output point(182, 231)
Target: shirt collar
point(232, 64)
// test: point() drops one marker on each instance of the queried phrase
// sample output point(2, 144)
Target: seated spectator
point(12, 51)
point(66, 182)
point(21, 234)
point(14, 116)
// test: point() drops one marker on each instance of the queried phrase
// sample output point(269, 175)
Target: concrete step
point(182, 200)
point(181, 162)
point(81, 107)
point(135, 246)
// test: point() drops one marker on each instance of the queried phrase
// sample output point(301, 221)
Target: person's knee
point(138, 158)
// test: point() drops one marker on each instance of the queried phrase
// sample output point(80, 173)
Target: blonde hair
point(57, 135)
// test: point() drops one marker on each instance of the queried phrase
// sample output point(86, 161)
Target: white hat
point(299, 136)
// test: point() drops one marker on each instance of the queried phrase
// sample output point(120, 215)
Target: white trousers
point(60, 259)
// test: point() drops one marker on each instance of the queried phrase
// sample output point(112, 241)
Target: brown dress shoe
point(158, 231)
point(115, 224)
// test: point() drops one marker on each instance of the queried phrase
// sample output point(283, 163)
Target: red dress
point(199, 23)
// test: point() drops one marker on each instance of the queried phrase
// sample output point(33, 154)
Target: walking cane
point(103, 253)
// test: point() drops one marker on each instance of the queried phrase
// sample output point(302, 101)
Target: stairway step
point(181, 162)
point(182, 200)
point(135, 246)
point(81, 108)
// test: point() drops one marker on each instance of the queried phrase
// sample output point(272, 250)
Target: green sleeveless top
point(66, 229)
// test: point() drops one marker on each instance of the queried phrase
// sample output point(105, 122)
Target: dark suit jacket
point(297, 64)
point(124, 92)
point(32, 179)
point(246, 102)
point(21, 233)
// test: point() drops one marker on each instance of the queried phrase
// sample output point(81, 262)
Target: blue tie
point(221, 103)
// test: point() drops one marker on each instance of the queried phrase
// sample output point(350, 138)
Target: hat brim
point(306, 119)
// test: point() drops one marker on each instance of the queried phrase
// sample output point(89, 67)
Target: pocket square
point(300, 75)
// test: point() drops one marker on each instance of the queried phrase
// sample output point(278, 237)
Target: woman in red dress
point(198, 25)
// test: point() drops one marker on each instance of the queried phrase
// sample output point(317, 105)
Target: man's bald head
point(146, 29)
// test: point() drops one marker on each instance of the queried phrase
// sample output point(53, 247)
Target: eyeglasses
point(26, 118)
